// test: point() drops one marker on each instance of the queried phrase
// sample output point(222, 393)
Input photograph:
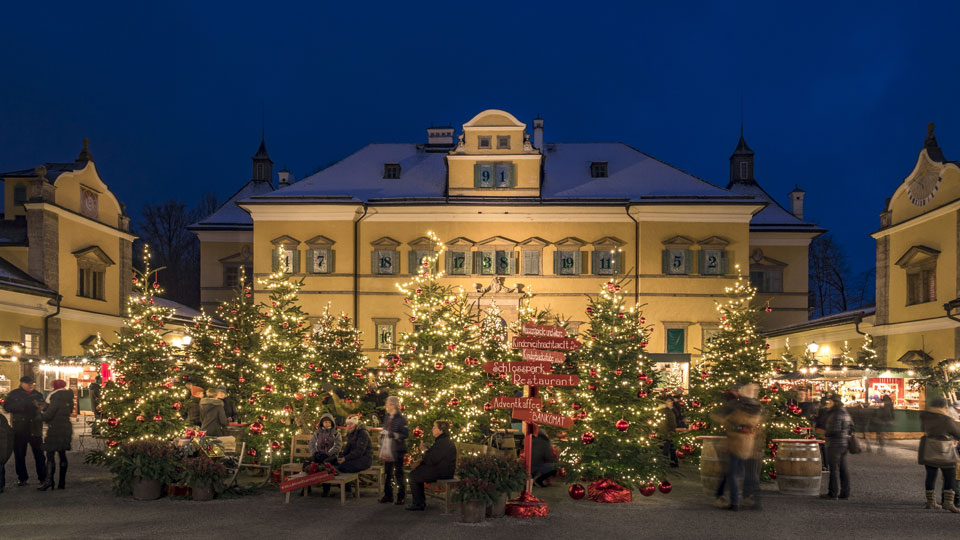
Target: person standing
point(95, 387)
point(393, 447)
point(838, 428)
point(667, 429)
point(229, 407)
point(191, 411)
point(741, 418)
point(543, 464)
point(937, 452)
point(439, 462)
point(884, 418)
point(23, 404)
point(213, 419)
point(56, 414)
point(6, 448)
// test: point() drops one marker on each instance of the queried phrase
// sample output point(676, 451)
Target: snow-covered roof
point(13, 278)
point(834, 319)
point(632, 175)
point(229, 215)
point(774, 217)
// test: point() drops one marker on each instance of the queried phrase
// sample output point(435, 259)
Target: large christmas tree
point(287, 387)
point(615, 434)
point(734, 356)
point(339, 352)
point(141, 401)
point(225, 351)
point(437, 372)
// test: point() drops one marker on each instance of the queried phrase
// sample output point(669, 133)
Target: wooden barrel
point(713, 462)
point(798, 466)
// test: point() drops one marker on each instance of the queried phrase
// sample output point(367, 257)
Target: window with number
point(677, 261)
point(419, 258)
point(499, 262)
point(606, 262)
point(567, 263)
point(494, 175)
point(385, 261)
point(713, 262)
point(458, 263)
point(385, 334)
point(321, 261)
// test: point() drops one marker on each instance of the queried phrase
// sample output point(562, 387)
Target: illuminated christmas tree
point(339, 352)
point(617, 414)
point(226, 352)
point(734, 356)
point(437, 372)
point(287, 387)
point(141, 400)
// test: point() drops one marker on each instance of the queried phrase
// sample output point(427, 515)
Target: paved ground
point(886, 503)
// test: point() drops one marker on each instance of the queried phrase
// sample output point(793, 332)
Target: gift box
point(527, 506)
point(608, 491)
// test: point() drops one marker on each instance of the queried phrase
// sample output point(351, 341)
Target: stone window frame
point(919, 264)
point(570, 244)
point(460, 244)
point(676, 325)
point(534, 244)
point(38, 335)
point(484, 142)
point(671, 247)
point(285, 243)
point(316, 245)
point(384, 246)
point(711, 244)
point(603, 245)
point(379, 322)
point(92, 264)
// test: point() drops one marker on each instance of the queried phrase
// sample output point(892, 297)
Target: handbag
point(386, 447)
point(937, 453)
point(853, 445)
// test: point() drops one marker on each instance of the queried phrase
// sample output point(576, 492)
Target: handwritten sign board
point(510, 368)
point(536, 379)
point(536, 330)
point(540, 417)
point(560, 344)
point(507, 402)
point(537, 355)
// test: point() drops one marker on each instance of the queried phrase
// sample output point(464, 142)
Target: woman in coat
point(938, 452)
point(393, 447)
point(56, 414)
point(838, 427)
point(213, 419)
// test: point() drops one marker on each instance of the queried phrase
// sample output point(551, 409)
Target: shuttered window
point(605, 262)
point(531, 263)
point(677, 261)
point(567, 263)
point(712, 262)
point(419, 257)
point(457, 263)
point(320, 261)
point(384, 261)
point(286, 261)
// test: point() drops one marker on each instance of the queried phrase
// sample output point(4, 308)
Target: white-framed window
point(30, 338)
point(503, 142)
point(483, 142)
point(458, 262)
point(713, 262)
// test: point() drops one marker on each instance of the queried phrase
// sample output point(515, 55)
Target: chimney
point(796, 202)
point(538, 133)
point(440, 139)
point(285, 178)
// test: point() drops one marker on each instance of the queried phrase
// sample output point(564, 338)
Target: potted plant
point(473, 491)
point(141, 468)
point(507, 476)
point(203, 475)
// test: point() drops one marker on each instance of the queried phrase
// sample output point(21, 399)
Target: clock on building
point(89, 206)
point(923, 187)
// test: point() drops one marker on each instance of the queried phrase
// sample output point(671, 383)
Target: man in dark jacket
point(229, 407)
point(838, 428)
point(60, 405)
point(393, 447)
point(667, 430)
point(95, 387)
point(356, 453)
point(542, 463)
point(439, 462)
point(24, 404)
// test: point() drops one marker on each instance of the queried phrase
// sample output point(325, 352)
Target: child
point(324, 448)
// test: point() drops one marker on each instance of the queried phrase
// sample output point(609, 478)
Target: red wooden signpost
point(507, 402)
point(539, 355)
point(560, 344)
point(536, 330)
point(535, 379)
point(515, 368)
point(540, 417)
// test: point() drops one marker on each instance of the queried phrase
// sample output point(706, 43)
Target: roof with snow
point(774, 217)
point(834, 319)
point(632, 176)
point(229, 216)
point(15, 279)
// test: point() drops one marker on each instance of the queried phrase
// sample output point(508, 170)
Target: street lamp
point(187, 340)
point(813, 347)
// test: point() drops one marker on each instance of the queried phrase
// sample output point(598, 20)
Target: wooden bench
point(300, 449)
point(442, 489)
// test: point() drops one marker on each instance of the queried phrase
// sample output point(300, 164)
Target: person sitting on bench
point(357, 455)
point(324, 448)
point(439, 462)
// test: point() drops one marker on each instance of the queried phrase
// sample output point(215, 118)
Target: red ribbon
point(608, 491)
point(527, 506)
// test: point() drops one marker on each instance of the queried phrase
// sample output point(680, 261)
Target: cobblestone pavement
point(886, 503)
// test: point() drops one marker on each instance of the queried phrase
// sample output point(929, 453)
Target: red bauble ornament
point(589, 310)
point(438, 366)
point(417, 432)
point(278, 367)
point(241, 380)
point(252, 400)
point(576, 406)
point(256, 428)
point(268, 388)
point(593, 373)
point(592, 386)
point(587, 438)
point(453, 402)
point(618, 371)
point(695, 404)
point(113, 422)
point(252, 452)
point(768, 309)
point(141, 418)
point(177, 405)
point(236, 350)
point(641, 394)
point(577, 492)
point(648, 490)
point(335, 374)
point(641, 376)
point(621, 315)
point(622, 424)
point(298, 397)
point(157, 418)
point(275, 445)
point(407, 383)
point(218, 366)
point(665, 487)
point(773, 474)
point(487, 407)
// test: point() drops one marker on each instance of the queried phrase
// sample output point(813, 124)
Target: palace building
point(518, 214)
point(916, 320)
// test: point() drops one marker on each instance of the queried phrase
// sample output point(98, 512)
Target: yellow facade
point(548, 206)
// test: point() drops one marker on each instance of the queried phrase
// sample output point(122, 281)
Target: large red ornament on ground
point(608, 491)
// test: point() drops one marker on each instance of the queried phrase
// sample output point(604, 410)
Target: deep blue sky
point(836, 98)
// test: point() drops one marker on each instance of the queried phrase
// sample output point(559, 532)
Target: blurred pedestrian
point(191, 412)
point(543, 464)
point(679, 411)
point(741, 418)
point(229, 407)
point(938, 452)
point(23, 404)
point(95, 387)
point(668, 429)
point(6, 449)
point(884, 420)
point(213, 419)
point(393, 448)
point(56, 413)
point(838, 428)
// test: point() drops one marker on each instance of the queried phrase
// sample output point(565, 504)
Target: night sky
point(835, 99)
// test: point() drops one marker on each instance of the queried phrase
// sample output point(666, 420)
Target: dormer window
point(743, 170)
point(503, 142)
point(483, 142)
point(598, 169)
point(391, 171)
point(920, 265)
